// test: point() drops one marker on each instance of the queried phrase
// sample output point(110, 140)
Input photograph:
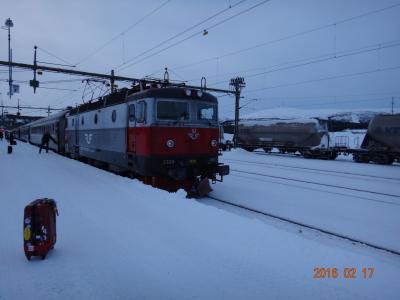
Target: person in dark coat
point(11, 138)
point(1, 135)
point(45, 141)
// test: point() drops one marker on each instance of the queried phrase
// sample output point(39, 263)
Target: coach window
point(131, 112)
point(82, 120)
point(140, 112)
point(95, 118)
point(113, 116)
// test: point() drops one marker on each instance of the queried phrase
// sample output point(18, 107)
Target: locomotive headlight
point(199, 94)
point(214, 143)
point(188, 92)
point(170, 143)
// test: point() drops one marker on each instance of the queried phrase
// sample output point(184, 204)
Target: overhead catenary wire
point(55, 56)
point(325, 79)
point(183, 32)
point(284, 38)
point(310, 60)
point(122, 32)
point(333, 57)
point(194, 34)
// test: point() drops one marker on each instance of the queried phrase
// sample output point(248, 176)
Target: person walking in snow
point(45, 141)
point(11, 138)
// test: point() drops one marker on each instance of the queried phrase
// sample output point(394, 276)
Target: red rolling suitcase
point(40, 227)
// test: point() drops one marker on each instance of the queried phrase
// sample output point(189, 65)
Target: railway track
point(293, 222)
point(318, 183)
point(312, 169)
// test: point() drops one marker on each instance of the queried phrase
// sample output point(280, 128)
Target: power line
point(333, 57)
point(195, 34)
point(123, 32)
point(291, 36)
point(329, 96)
point(325, 78)
point(378, 46)
point(55, 56)
point(183, 32)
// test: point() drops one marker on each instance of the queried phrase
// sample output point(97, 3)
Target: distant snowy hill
point(359, 116)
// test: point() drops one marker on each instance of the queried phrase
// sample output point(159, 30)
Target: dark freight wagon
point(40, 227)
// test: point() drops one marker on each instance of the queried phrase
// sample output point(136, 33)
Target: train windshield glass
point(172, 110)
point(206, 111)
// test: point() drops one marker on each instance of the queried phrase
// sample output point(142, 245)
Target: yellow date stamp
point(346, 273)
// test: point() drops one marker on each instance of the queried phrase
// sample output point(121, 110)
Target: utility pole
point(2, 107)
point(9, 24)
point(18, 113)
point(392, 105)
point(238, 84)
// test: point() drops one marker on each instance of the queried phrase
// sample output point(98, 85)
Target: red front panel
point(145, 141)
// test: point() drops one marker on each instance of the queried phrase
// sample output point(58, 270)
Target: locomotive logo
point(194, 134)
point(88, 137)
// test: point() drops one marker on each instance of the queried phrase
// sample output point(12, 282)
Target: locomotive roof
point(46, 120)
point(125, 95)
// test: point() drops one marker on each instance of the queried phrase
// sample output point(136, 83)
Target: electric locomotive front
point(172, 138)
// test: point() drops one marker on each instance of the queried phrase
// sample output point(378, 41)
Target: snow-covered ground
point(121, 239)
point(361, 201)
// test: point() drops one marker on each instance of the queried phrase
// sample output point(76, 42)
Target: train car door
point(76, 130)
point(131, 129)
point(60, 135)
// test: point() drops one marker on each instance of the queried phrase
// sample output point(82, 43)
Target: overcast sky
point(296, 56)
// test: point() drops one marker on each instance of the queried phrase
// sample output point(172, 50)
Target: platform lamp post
point(8, 25)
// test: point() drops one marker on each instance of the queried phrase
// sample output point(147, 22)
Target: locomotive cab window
point(131, 112)
point(172, 110)
point(141, 112)
point(206, 111)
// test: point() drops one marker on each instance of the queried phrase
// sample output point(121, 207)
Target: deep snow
point(120, 239)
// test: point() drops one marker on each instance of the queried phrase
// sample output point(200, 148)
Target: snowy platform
point(120, 239)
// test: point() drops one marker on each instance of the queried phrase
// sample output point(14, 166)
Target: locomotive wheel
point(358, 158)
point(267, 150)
point(43, 256)
point(383, 160)
point(28, 257)
point(333, 156)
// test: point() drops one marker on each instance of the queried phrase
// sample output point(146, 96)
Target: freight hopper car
point(308, 136)
point(381, 144)
point(168, 137)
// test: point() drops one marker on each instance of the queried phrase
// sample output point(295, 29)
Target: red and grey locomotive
point(166, 136)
